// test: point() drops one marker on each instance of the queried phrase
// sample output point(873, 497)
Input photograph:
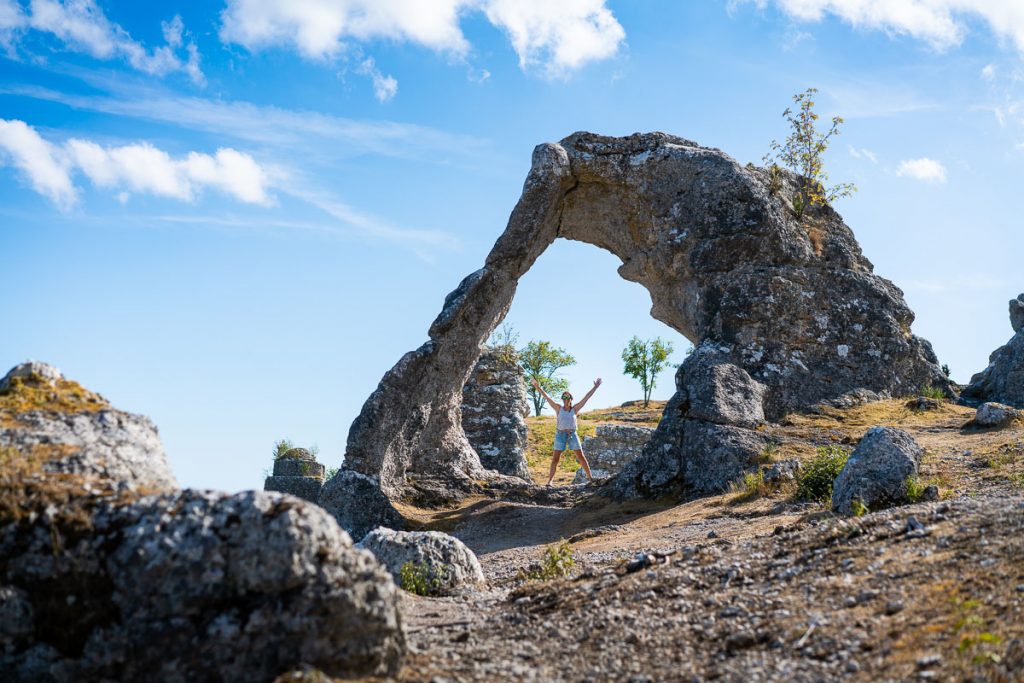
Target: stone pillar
point(297, 472)
point(494, 410)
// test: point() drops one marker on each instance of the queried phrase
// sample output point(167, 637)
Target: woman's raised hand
point(597, 382)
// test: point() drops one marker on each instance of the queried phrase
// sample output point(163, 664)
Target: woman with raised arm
point(565, 434)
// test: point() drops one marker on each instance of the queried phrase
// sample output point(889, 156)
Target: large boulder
point(991, 415)
point(789, 301)
point(446, 563)
point(877, 471)
point(191, 585)
point(357, 504)
point(76, 431)
point(612, 447)
point(494, 411)
point(1003, 380)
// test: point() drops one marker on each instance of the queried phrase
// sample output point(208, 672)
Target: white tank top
point(566, 419)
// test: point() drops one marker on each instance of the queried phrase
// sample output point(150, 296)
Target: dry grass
point(35, 393)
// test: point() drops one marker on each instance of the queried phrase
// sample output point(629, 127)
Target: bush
point(281, 447)
point(928, 391)
point(915, 489)
point(556, 562)
point(815, 481)
point(419, 578)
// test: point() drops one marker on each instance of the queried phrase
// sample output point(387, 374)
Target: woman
point(565, 434)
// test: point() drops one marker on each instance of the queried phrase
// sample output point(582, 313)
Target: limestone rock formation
point(877, 471)
point(193, 586)
point(995, 415)
point(357, 504)
point(447, 564)
point(297, 472)
point(611, 448)
point(792, 303)
point(494, 411)
point(76, 431)
point(1003, 380)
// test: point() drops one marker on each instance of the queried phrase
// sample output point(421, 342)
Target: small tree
point(503, 340)
point(644, 359)
point(541, 360)
point(802, 153)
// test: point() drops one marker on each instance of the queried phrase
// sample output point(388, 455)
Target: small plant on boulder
point(420, 578)
point(816, 479)
point(281, 447)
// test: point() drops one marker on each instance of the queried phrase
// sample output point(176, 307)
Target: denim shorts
point(563, 439)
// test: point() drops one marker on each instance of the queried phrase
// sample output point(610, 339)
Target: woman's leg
point(555, 455)
point(582, 460)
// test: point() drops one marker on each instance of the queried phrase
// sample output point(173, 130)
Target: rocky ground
point(749, 586)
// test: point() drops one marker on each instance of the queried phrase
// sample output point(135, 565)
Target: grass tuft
point(557, 562)
point(815, 481)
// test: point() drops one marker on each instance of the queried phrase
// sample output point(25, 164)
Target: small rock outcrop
point(991, 415)
point(790, 303)
point(494, 411)
point(1003, 380)
point(357, 504)
point(612, 447)
point(877, 471)
point(297, 472)
point(76, 431)
point(447, 564)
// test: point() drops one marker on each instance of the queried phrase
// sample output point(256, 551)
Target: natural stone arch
point(784, 312)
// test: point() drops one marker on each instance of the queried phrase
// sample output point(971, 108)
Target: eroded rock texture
point(297, 472)
point(1003, 380)
point(612, 447)
point(494, 410)
point(791, 304)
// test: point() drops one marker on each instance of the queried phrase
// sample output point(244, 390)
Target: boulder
point(75, 431)
point(298, 473)
point(790, 303)
point(357, 504)
point(995, 415)
point(193, 585)
point(611, 448)
point(1003, 380)
point(876, 472)
point(784, 470)
point(494, 411)
point(447, 563)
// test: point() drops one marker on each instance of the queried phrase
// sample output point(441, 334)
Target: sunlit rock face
point(1003, 380)
point(784, 311)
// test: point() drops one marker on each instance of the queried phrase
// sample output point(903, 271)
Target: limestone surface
point(1003, 380)
point(448, 563)
point(297, 472)
point(494, 411)
point(611, 448)
point(194, 585)
point(995, 415)
point(791, 302)
point(357, 504)
point(877, 471)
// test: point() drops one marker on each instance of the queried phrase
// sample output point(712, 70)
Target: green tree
point(503, 340)
point(802, 153)
point(644, 359)
point(541, 360)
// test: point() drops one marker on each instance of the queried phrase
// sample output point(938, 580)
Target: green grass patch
point(556, 562)
point(815, 480)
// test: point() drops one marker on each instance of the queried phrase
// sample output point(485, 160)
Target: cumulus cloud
point(136, 168)
point(928, 170)
point(82, 26)
point(557, 36)
point(940, 23)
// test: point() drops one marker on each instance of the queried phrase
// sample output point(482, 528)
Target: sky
point(235, 216)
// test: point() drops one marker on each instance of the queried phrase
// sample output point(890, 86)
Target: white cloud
point(557, 36)
point(384, 87)
point(989, 72)
point(138, 168)
point(862, 153)
point(940, 23)
point(82, 26)
point(928, 170)
point(43, 163)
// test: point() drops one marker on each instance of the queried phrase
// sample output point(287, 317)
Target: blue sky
point(235, 216)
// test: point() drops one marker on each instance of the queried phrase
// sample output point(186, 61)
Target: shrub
point(945, 370)
point(420, 578)
point(928, 391)
point(556, 562)
point(915, 489)
point(281, 447)
point(752, 485)
point(815, 481)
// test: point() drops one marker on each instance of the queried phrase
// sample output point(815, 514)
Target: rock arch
point(785, 313)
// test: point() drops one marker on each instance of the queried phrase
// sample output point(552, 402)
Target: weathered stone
point(17, 618)
point(307, 488)
point(357, 504)
point(611, 448)
point(30, 369)
point(784, 470)
point(580, 478)
point(1003, 380)
point(995, 415)
point(791, 302)
point(93, 439)
point(200, 586)
point(298, 454)
point(494, 410)
point(876, 472)
point(296, 467)
point(719, 391)
point(447, 562)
